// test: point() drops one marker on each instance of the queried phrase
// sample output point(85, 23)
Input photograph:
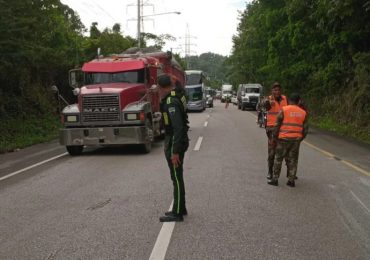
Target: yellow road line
point(319, 149)
point(364, 172)
point(349, 164)
point(356, 168)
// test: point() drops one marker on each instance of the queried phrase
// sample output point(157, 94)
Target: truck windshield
point(193, 79)
point(134, 76)
point(252, 90)
point(194, 94)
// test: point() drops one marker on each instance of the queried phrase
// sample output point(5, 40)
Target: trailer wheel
point(74, 149)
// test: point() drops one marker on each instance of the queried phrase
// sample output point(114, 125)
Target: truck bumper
point(105, 135)
point(249, 104)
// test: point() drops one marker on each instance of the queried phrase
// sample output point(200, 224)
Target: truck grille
point(100, 108)
point(253, 99)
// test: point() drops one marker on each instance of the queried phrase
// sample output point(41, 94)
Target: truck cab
point(248, 95)
point(226, 92)
point(118, 101)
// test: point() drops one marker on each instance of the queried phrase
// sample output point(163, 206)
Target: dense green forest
point(214, 65)
point(39, 42)
point(319, 48)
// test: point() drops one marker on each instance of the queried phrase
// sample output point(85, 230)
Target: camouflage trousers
point(288, 150)
point(271, 146)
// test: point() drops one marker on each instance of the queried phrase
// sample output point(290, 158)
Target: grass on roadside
point(345, 129)
point(22, 132)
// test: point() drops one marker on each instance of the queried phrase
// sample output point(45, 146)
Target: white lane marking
point(205, 123)
point(32, 166)
point(198, 144)
point(362, 204)
point(163, 240)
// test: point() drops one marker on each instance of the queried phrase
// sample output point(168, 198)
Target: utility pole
point(138, 23)
point(139, 18)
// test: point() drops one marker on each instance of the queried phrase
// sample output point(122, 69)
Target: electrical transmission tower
point(188, 44)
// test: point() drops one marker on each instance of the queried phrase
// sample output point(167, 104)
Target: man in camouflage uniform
point(173, 108)
point(273, 105)
point(290, 129)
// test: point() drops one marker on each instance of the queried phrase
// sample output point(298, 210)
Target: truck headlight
point(71, 118)
point(131, 116)
point(135, 116)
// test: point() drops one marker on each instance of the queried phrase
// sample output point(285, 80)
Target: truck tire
point(146, 148)
point(74, 149)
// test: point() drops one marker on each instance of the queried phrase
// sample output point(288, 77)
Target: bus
point(195, 90)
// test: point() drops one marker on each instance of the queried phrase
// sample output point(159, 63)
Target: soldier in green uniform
point(176, 143)
point(290, 129)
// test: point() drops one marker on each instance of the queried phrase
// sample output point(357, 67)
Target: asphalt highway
point(106, 203)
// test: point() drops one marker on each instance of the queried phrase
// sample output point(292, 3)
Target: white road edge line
point(362, 204)
point(205, 123)
point(32, 166)
point(163, 240)
point(198, 144)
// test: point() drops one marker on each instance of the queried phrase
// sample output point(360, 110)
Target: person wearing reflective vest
point(273, 105)
point(290, 129)
point(176, 143)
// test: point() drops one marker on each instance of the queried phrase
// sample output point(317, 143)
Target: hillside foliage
point(319, 48)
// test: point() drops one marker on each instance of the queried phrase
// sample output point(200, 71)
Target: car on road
point(209, 101)
point(234, 100)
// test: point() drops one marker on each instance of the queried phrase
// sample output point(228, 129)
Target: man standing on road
point(273, 104)
point(175, 144)
point(291, 128)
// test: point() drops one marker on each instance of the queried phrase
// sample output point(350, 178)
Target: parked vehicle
point(226, 91)
point(234, 100)
point(210, 93)
point(195, 90)
point(118, 102)
point(248, 95)
point(218, 94)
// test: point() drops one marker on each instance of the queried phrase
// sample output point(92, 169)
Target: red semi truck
point(118, 101)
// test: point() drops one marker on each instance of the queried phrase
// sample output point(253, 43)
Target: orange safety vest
point(292, 125)
point(275, 109)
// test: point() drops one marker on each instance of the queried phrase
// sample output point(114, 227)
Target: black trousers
point(177, 180)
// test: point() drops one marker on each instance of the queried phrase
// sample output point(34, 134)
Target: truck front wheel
point(146, 148)
point(74, 149)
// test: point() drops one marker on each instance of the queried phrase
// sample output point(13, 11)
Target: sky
point(209, 23)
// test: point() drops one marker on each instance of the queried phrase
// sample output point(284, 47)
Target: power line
point(104, 11)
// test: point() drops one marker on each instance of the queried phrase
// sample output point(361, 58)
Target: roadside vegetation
point(319, 48)
point(39, 42)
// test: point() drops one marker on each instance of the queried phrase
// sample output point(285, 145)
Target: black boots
point(184, 213)
point(291, 183)
point(273, 182)
point(171, 217)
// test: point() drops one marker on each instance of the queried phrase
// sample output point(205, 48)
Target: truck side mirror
point(153, 87)
point(75, 78)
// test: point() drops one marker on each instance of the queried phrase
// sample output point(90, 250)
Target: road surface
point(106, 203)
